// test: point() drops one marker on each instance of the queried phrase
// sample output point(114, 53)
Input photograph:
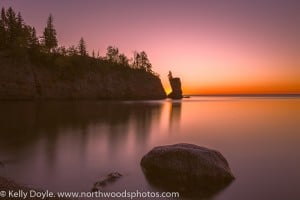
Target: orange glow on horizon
point(223, 88)
point(244, 89)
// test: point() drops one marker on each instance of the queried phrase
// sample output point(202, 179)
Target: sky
point(214, 46)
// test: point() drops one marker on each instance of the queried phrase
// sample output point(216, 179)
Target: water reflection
point(60, 141)
point(89, 137)
point(70, 145)
point(23, 123)
point(175, 115)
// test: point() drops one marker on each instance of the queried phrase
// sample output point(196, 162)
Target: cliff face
point(27, 82)
point(176, 88)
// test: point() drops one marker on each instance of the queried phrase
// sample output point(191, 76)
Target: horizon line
point(247, 94)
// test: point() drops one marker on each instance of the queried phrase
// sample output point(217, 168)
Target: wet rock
point(189, 169)
point(110, 178)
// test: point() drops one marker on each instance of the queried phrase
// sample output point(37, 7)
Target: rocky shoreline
point(29, 81)
point(7, 185)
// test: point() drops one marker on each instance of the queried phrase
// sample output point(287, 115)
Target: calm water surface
point(67, 146)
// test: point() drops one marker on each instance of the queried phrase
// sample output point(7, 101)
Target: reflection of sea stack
point(175, 115)
point(176, 87)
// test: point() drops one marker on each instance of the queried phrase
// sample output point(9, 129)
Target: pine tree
point(112, 54)
point(141, 61)
point(145, 63)
point(50, 40)
point(11, 26)
point(136, 60)
point(20, 21)
point(72, 51)
point(3, 15)
point(3, 29)
point(32, 40)
point(82, 47)
point(123, 60)
point(21, 33)
point(15, 35)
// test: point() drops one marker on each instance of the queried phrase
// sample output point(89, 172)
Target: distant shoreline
point(131, 99)
point(244, 95)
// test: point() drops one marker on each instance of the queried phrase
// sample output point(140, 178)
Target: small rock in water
point(110, 178)
point(114, 175)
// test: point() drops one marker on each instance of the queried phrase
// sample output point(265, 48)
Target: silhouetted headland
point(35, 67)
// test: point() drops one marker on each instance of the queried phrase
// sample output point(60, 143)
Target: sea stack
point(176, 87)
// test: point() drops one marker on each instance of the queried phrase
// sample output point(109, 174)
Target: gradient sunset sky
point(214, 46)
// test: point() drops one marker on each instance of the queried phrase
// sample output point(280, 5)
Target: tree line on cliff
point(20, 42)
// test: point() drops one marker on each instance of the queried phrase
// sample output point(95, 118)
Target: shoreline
point(7, 185)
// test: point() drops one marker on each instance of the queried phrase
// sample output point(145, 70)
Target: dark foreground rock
point(189, 169)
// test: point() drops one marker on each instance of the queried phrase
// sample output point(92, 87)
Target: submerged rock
point(188, 169)
point(110, 178)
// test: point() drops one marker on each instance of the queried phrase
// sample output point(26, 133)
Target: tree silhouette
point(145, 63)
point(3, 15)
point(22, 33)
point(33, 40)
point(112, 54)
point(141, 61)
point(82, 47)
point(19, 40)
point(170, 76)
point(123, 60)
point(3, 28)
point(136, 60)
point(72, 50)
point(11, 26)
point(14, 34)
point(50, 40)
point(19, 21)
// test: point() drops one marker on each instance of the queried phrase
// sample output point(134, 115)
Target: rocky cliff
point(27, 81)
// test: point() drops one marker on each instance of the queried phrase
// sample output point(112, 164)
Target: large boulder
point(187, 168)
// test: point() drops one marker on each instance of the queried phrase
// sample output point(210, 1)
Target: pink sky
point(213, 46)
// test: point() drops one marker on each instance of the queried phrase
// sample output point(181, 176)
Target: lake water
point(67, 146)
